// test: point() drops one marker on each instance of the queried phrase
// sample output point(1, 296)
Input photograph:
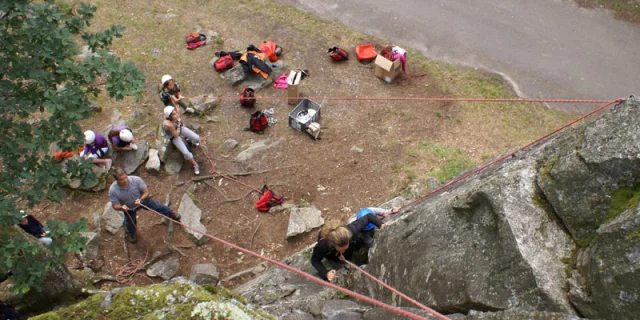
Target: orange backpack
point(271, 50)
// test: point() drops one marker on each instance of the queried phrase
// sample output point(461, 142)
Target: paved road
point(545, 48)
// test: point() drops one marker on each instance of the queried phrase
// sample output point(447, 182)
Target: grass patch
point(546, 170)
point(588, 242)
point(627, 10)
point(452, 161)
point(623, 199)
point(633, 235)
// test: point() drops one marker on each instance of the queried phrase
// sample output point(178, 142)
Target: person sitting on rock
point(33, 227)
point(368, 231)
point(130, 194)
point(336, 241)
point(170, 93)
point(178, 133)
point(95, 148)
point(122, 139)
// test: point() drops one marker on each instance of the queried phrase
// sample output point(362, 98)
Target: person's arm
point(145, 195)
point(169, 126)
point(115, 203)
point(319, 252)
point(363, 221)
point(114, 145)
point(383, 213)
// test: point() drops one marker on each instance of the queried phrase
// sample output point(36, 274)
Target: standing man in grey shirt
point(127, 194)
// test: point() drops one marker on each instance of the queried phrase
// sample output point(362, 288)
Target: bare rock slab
point(258, 147)
point(303, 220)
point(205, 273)
point(203, 103)
point(153, 164)
point(113, 219)
point(191, 216)
point(135, 158)
point(165, 269)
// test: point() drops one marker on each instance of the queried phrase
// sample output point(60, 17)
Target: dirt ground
point(395, 135)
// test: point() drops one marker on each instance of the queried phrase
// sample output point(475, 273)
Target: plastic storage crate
point(301, 123)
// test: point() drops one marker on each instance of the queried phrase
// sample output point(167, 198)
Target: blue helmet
point(363, 212)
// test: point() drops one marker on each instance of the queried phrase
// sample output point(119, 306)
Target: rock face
point(95, 185)
point(205, 273)
point(303, 220)
point(164, 269)
point(133, 159)
point(113, 220)
point(91, 249)
point(258, 147)
point(202, 104)
point(153, 164)
point(545, 234)
point(175, 299)
point(191, 216)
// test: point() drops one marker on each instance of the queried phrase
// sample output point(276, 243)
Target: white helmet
point(126, 135)
point(89, 137)
point(167, 111)
point(166, 78)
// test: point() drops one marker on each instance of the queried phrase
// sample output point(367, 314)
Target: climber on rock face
point(336, 241)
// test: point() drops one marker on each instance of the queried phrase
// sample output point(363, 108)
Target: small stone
point(321, 188)
point(190, 110)
point(214, 119)
point(166, 16)
point(203, 274)
point(155, 53)
point(229, 144)
point(303, 220)
point(113, 219)
point(191, 216)
point(357, 149)
point(258, 147)
point(203, 103)
point(153, 164)
point(164, 269)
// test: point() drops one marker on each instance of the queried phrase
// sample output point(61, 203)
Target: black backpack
point(247, 97)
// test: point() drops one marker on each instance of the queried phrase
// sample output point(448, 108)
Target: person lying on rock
point(170, 93)
point(368, 231)
point(122, 139)
point(336, 241)
point(95, 148)
point(176, 131)
point(33, 227)
point(128, 194)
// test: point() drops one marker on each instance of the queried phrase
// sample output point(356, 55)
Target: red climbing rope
point(301, 273)
point(454, 181)
point(427, 99)
point(414, 302)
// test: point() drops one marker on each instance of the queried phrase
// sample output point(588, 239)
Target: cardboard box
point(293, 89)
point(386, 69)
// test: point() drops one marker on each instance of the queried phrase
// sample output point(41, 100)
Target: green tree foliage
point(42, 78)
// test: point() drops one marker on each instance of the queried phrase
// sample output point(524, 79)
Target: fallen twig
point(236, 199)
point(254, 235)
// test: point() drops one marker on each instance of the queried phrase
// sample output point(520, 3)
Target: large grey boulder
point(153, 164)
point(191, 216)
point(303, 220)
point(203, 103)
point(113, 219)
point(91, 248)
point(99, 182)
point(133, 159)
point(258, 147)
point(234, 75)
point(165, 269)
point(205, 273)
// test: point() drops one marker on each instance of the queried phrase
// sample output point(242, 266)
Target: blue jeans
point(131, 216)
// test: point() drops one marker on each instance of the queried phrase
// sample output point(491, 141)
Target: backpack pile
point(195, 40)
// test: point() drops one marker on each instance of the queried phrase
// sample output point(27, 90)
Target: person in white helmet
point(95, 148)
point(122, 139)
point(178, 133)
point(170, 93)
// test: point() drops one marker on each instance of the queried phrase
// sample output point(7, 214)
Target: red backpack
point(338, 54)
point(258, 122)
point(195, 37)
point(223, 63)
point(268, 199)
point(247, 97)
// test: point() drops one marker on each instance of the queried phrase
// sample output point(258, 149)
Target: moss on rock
point(178, 299)
point(623, 199)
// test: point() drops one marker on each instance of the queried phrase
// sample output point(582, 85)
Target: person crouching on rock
point(178, 133)
point(368, 231)
point(336, 240)
point(95, 148)
point(130, 194)
point(32, 226)
point(122, 139)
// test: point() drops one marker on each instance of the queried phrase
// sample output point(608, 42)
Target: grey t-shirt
point(127, 196)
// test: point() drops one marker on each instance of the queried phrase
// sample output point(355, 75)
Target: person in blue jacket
point(368, 231)
point(336, 241)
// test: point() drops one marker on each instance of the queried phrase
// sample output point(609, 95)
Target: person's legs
point(192, 136)
point(45, 240)
point(183, 104)
point(130, 221)
point(159, 207)
point(367, 238)
point(179, 143)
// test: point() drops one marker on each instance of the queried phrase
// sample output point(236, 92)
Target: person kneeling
point(122, 139)
point(336, 241)
point(177, 133)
